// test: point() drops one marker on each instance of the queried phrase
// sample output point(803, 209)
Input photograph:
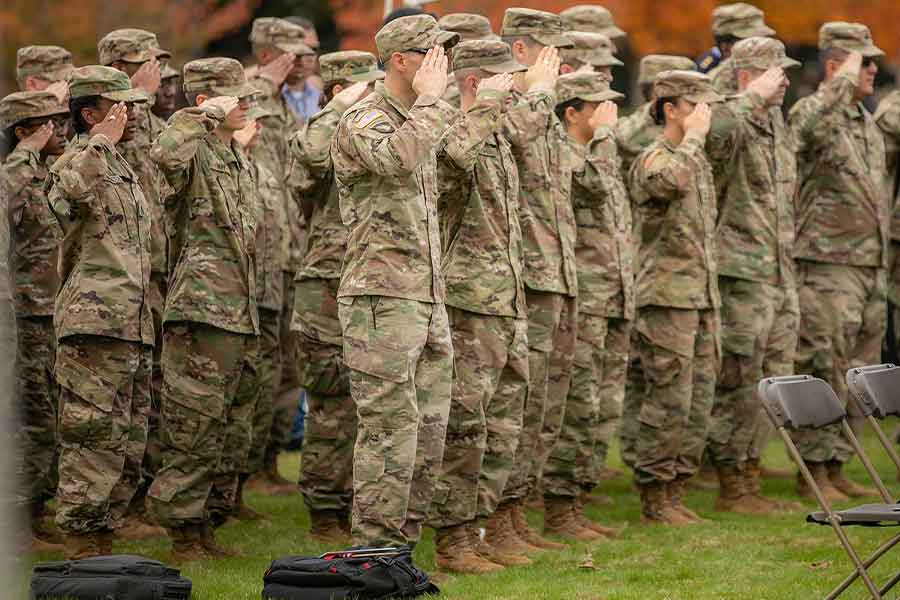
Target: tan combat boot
point(208, 539)
point(753, 474)
point(135, 528)
point(84, 546)
point(820, 475)
point(241, 511)
point(655, 506)
point(187, 544)
point(584, 521)
point(269, 481)
point(325, 526)
point(488, 552)
point(501, 535)
point(731, 496)
point(560, 520)
point(847, 487)
point(675, 500)
point(529, 535)
point(454, 552)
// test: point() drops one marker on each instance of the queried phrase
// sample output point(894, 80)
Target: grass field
point(730, 557)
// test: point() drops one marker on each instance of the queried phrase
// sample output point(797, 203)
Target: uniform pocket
point(377, 361)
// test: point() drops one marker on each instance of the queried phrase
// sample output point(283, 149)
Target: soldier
point(104, 329)
point(548, 232)
point(591, 52)
point(842, 237)
point(677, 295)
point(482, 266)
point(731, 23)
point(41, 67)
point(211, 321)
point(167, 94)
point(391, 297)
point(304, 93)
point(888, 119)
point(469, 27)
point(326, 471)
point(603, 252)
point(755, 239)
point(36, 123)
point(592, 19)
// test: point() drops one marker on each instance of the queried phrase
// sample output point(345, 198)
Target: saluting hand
point(607, 113)
point(278, 70)
point(768, 84)
point(431, 78)
point(502, 83)
point(542, 75)
point(698, 122)
point(60, 89)
point(225, 103)
point(352, 94)
point(113, 125)
point(148, 77)
point(38, 138)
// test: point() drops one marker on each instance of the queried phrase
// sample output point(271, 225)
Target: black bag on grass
point(355, 574)
point(116, 577)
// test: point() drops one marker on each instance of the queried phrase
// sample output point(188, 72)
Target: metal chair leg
point(881, 551)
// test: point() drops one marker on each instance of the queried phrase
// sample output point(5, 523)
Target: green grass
point(729, 557)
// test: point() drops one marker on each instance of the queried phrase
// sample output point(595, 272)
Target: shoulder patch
point(706, 63)
point(364, 119)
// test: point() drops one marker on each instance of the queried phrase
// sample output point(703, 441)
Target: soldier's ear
point(20, 132)
point(565, 68)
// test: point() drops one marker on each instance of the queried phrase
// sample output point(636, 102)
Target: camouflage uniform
point(469, 27)
point(37, 237)
point(887, 117)
point(326, 471)
point(605, 301)
point(211, 321)
point(104, 328)
point(741, 21)
point(842, 235)
point(482, 266)
point(47, 63)
point(594, 49)
point(591, 18)
point(390, 301)
point(548, 232)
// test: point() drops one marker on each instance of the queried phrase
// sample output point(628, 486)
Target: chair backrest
point(876, 389)
point(800, 401)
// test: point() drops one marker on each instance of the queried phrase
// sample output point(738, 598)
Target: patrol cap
point(223, 76)
point(469, 26)
point(690, 85)
point(588, 17)
point(106, 82)
point(589, 87)
point(258, 111)
point(20, 106)
point(654, 64)
point(412, 32)
point(761, 53)
point(349, 65)
point(50, 63)
point(740, 20)
point(488, 55)
point(592, 48)
point(284, 35)
point(167, 72)
point(545, 27)
point(852, 37)
point(129, 45)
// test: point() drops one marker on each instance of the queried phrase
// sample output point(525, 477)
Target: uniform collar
point(382, 91)
point(227, 155)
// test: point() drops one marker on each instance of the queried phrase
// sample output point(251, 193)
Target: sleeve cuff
point(426, 100)
point(101, 140)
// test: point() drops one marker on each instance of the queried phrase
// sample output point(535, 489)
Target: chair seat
point(867, 515)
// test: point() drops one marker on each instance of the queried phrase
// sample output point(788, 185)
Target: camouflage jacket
point(104, 257)
point(675, 199)
point(545, 184)
point(385, 167)
point(842, 206)
point(755, 186)
point(271, 226)
point(211, 221)
point(7, 310)
point(724, 78)
point(634, 133)
point(604, 250)
point(37, 234)
point(451, 95)
point(888, 119)
point(479, 208)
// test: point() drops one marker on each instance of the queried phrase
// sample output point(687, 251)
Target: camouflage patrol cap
point(19, 106)
point(544, 27)
point(349, 65)
point(281, 33)
point(761, 53)
point(592, 48)
point(588, 17)
point(589, 87)
point(106, 82)
point(167, 72)
point(50, 63)
point(469, 26)
point(223, 76)
point(412, 32)
point(654, 64)
point(129, 45)
point(487, 55)
point(852, 37)
point(690, 85)
point(740, 20)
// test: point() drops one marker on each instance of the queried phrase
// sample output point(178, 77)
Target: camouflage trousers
point(759, 337)
point(38, 400)
point(611, 389)
point(268, 377)
point(210, 389)
point(842, 325)
point(552, 321)
point(490, 362)
point(400, 357)
point(679, 352)
point(326, 469)
point(288, 395)
point(631, 404)
point(103, 411)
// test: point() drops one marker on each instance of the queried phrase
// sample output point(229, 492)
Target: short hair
point(461, 74)
point(75, 107)
point(191, 97)
point(328, 91)
point(303, 22)
point(647, 90)
point(659, 113)
point(726, 38)
point(560, 110)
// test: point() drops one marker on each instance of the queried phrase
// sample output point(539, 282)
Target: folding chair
point(804, 402)
point(875, 391)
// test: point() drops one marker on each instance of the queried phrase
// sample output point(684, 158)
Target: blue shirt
point(303, 103)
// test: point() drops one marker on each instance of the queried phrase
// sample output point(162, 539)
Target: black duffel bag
point(355, 574)
point(116, 577)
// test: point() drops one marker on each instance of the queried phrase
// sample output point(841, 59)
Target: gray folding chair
point(875, 391)
point(803, 402)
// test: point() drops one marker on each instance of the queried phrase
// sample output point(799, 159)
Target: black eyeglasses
point(867, 62)
point(422, 51)
point(59, 121)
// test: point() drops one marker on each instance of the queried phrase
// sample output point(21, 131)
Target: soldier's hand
point(60, 89)
point(501, 83)
point(851, 65)
point(225, 103)
point(38, 138)
point(607, 113)
point(350, 95)
point(697, 123)
point(768, 84)
point(114, 124)
point(278, 70)
point(542, 75)
point(431, 78)
point(245, 136)
point(148, 77)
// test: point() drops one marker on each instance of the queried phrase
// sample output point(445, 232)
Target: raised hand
point(278, 70)
point(431, 78)
point(607, 113)
point(245, 136)
point(38, 138)
point(768, 85)
point(851, 65)
point(501, 83)
point(542, 75)
point(352, 94)
point(60, 89)
point(225, 103)
point(114, 124)
point(148, 77)
point(697, 123)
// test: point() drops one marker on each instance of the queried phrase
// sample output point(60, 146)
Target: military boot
point(675, 498)
point(208, 539)
point(820, 475)
point(773, 472)
point(84, 546)
point(44, 537)
point(561, 520)
point(501, 535)
point(731, 496)
point(585, 522)
point(325, 526)
point(705, 479)
point(488, 552)
point(241, 511)
point(187, 544)
point(524, 530)
point(345, 521)
point(454, 552)
point(753, 474)
point(849, 488)
point(135, 528)
point(655, 506)
point(269, 481)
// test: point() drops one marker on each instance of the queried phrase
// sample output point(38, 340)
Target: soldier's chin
point(128, 133)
